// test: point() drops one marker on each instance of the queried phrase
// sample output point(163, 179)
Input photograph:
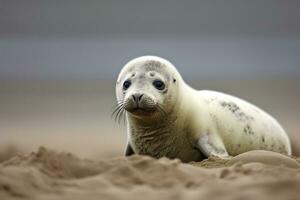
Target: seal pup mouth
point(145, 110)
point(140, 105)
point(139, 111)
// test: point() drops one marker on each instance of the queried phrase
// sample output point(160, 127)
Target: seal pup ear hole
point(174, 80)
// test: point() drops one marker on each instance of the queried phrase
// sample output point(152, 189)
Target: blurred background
point(59, 61)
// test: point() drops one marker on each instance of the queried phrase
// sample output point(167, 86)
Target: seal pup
point(167, 117)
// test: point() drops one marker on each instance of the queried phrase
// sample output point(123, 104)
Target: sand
point(48, 174)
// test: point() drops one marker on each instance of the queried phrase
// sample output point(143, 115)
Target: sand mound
point(266, 157)
point(50, 175)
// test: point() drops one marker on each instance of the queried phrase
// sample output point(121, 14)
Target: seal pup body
point(166, 117)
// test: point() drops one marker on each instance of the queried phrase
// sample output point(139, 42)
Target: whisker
point(116, 109)
point(118, 113)
point(117, 103)
point(121, 115)
point(163, 112)
point(160, 111)
point(124, 117)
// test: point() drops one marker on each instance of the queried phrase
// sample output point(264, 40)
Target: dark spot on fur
point(150, 66)
point(153, 65)
point(174, 80)
point(239, 145)
point(248, 130)
point(263, 138)
point(272, 145)
point(141, 77)
point(251, 142)
point(235, 109)
point(231, 106)
point(152, 74)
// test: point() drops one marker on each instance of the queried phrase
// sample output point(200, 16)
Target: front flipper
point(212, 145)
point(129, 151)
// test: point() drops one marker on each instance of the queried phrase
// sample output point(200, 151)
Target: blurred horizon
point(62, 40)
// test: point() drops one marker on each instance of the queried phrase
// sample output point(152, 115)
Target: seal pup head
point(147, 87)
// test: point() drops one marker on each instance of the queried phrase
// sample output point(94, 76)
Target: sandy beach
point(47, 174)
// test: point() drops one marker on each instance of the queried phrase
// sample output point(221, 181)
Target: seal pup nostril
point(140, 97)
point(133, 96)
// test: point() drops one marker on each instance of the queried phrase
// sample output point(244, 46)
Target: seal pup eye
point(126, 84)
point(159, 84)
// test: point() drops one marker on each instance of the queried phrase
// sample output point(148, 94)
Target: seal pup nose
point(137, 97)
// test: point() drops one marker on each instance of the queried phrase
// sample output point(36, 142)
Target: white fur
point(216, 123)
